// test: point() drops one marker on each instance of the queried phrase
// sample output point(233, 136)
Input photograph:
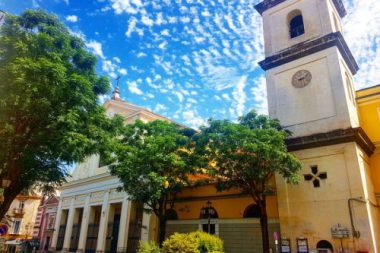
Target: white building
point(92, 215)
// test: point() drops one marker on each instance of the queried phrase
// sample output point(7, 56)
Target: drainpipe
point(356, 233)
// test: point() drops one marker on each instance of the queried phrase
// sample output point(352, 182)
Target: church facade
point(336, 135)
point(92, 215)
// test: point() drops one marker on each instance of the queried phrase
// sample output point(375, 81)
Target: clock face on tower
point(301, 78)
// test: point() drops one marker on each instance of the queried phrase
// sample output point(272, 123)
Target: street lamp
point(209, 211)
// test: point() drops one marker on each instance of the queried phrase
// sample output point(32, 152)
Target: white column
point(145, 226)
point(84, 225)
point(69, 226)
point(57, 224)
point(124, 225)
point(101, 242)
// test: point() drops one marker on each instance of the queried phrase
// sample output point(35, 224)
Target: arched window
point(252, 211)
point(325, 246)
point(171, 214)
point(296, 25)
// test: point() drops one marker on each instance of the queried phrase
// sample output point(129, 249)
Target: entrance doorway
point(113, 235)
point(135, 224)
point(47, 243)
point(324, 247)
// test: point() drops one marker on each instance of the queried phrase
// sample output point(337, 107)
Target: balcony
point(18, 212)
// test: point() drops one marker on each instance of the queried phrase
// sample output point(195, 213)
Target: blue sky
point(191, 60)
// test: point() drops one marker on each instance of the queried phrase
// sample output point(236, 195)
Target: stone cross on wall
point(315, 176)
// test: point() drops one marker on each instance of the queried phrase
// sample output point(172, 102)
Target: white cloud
point(163, 45)
point(133, 88)
point(127, 6)
point(110, 68)
point(239, 97)
point(131, 26)
point(147, 21)
point(226, 96)
point(362, 33)
point(96, 48)
point(141, 55)
point(160, 107)
point(259, 92)
point(72, 18)
point(192, 118)
point(179, 96)
point(123, 71)
point(103, 98)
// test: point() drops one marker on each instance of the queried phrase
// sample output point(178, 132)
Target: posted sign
point(302, 245)
point(285, 246)
point(340, 232)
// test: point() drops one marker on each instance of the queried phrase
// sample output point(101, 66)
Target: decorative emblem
point(316, 176)
point(301, 78)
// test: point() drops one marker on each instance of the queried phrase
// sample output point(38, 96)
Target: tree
point(154, 161)
point(246, 156)
point(49, 114)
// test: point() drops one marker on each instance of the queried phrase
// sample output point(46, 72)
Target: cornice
point(331, 138)
point(267, 4)
point(309, 47)
point(85, 181)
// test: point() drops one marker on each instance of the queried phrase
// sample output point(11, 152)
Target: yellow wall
point(369, 113)
point(227, 203)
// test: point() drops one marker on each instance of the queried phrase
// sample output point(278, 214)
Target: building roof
point(267, 4)
point(368, 92)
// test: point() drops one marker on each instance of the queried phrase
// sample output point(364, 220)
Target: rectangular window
point(16, 226)
point(21, 205)
point(51, 221)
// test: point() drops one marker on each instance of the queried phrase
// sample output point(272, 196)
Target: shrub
point(148, 247)
point(180, 243)
point(207, 243)
point(195, 242)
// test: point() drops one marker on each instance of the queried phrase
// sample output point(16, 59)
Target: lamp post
point(209, 211)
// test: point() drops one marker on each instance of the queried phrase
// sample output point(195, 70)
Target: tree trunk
point(264, 226)
point(162, 230)
point(10, 194)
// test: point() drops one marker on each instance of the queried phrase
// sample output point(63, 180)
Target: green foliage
point(195, 242)
point(148, 247)
point(207, 243)
point(246, 155)
point(154, 162)
point(49, 112)
point(181, 243)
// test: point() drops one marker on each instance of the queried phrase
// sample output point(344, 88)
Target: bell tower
point(309, 68)
point(309, 74)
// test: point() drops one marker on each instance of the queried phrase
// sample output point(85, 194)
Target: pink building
point(44, 225)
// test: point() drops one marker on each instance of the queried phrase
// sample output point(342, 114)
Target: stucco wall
point(311, 212)
point(321, 106)
point(318, 16)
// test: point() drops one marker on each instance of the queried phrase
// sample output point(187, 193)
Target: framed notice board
point(285, 246)
point(302, 245)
